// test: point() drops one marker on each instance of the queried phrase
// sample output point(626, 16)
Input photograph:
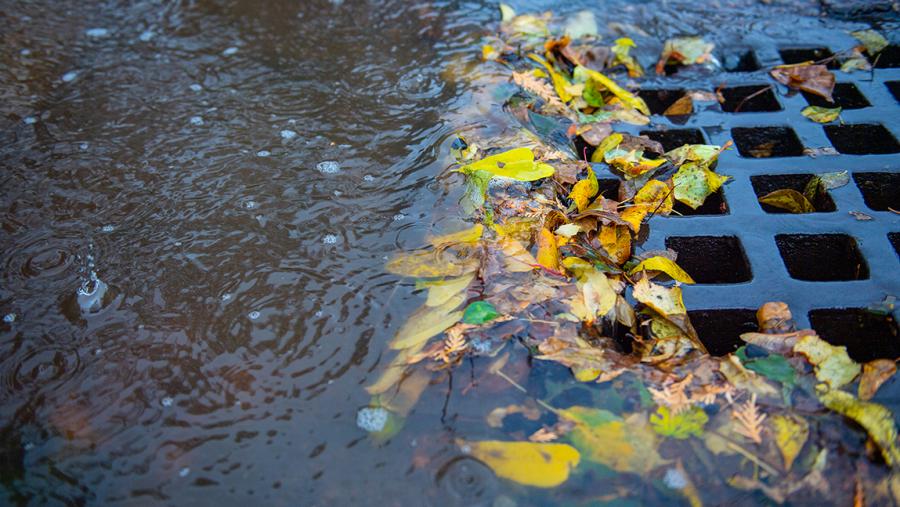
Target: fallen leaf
point(560, 83)
point(548, 250)
point(394, 371)
point(775, 317)
point(877, 420)
point(782, 343)
point(430, 264)
point(749, 420)
point(567, 230)
point(517, 164)
point(665, 265)
point(832, 180)
point(681, 107)
point(694, 183)
point(860, 216)
point(833, 365)
point(657, 195)
point(616, 241)
point(872, 40)
point(820, 114)
point(581, 24)
point(578, 355)
point(682, 425)
point(788, 199)
point(440, 291)
point(625, 445)
point(684, 51)
point(464, 237)
point(479, 312)
point(874, 374)
point(629, 99)
point(773, 366)
point(815, 79)
point(609, 143)
point(632, 163)
point(543, 465)
point(585, 190)
point(530, 411)
point(665, 301)
point(427, 322)
point(791, 433)
point(622, 51)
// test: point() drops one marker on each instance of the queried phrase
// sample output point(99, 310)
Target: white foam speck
point(328, 167)
point(29, 120)
point(196, 87)
point(372, 419)
point(330, 239)
point(230, 51)
point(25, 52)
point(675, 479)
point(96, 32)
point(250, 204)
point(196, 120)
point(253, 315)
point(108, 228)
point(9, 318)
point(226, 296)
point(368, 178)
point(167, 401)
point(146, 35)
point(69, 76)
point(319, 313)
point(398, 217)
point(288, 134)
point(84, 146)
point(263, 153)
point(184, 472)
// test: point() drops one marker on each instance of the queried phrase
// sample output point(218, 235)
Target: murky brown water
point(173, 151)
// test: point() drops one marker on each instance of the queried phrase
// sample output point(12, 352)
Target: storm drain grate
point(830, 266)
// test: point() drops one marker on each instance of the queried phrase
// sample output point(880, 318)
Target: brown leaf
point(816, 79)
point(775, 317)
point(875, 373)
point(681, 107)
point(779, 343)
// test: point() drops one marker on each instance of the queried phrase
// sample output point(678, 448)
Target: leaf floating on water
point(440, 291)
point(693, 184)
point(875, 418)
point(788, 199)
point(681, 425)
point(821, 114)
point(430, 264)
point(791, 433)
point(815, 79)
point(666, 301)
point(875, 373)
point(629, 99)
point(833, 365)
point(464, 237)
point(543, 465)
point(625, 445)
point(479, 312)
point(665, 265)
point(427, 322)
point(517, 164)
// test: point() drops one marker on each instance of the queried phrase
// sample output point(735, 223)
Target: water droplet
point(69, 76)
point(675, 479)
point(338, 193)
point(96, 32)
point(196, 120)
point(184, 472)
point(108, 228)
point(29, 120)
point(28, 446)
point(328, 167)
point(263, 153)
point(253, 315)
point(398, 217)
point(288, 134)
point(196, 87)
point(146, 35)
point(166, 401)
point(9, 318)
point(230, 51)
point(330, 239)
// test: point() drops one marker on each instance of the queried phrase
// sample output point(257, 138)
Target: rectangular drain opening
point(822, 257)
point(675, 138)
point(721, 330)
point(696, 252)
point(750, 99)
point(739, 61)
point(763, 185)
point(866, 335)
point(862, 139)
point(660, 100)
point(894, 88)
point(894, 238)
point(609, 188)
point(888, 58)
point(801, 54)
point(846, 96)
point(715, 204)
point(764, 142)
point(880, 191)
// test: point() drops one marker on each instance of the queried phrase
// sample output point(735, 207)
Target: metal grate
point(828, 266)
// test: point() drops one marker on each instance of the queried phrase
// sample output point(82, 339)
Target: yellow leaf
point(394, 371)
point(543, 465)
point(788, 199)
point(656, 194)
point(667, 266)
point(820, 114)
point(584, 190)
point(666, 301)
point(568, 230)
point(634, 215)
point(791, 433)
point(625, 445)
point(440, 291)
point(703, 154)
point(560, 83)
point(599, 296)
point(517, 164)
point(610, 142)
point(517, 259)
point(874, 374)
point(430, 264)
point(632, 163)
point(627, 98)
point(875, 418)
point(616, 240)
point(694, 183)
point(427, 322)
point(467, 236)
point(833, 365)
point(548, 250)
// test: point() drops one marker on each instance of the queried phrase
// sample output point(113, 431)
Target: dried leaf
point(517, 164)
point(788, 199)
point(862, 217)
point(540, 88)
point(775, 317)
point(667, 266)
point(833, 365)
point(791, 433)
point(877, 420)
point(749, 420)
point(543, 465)
point(427, 322)
point(815, 79)
point(875, 373)
point(694, 183)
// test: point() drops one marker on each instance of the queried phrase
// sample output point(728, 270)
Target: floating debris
point(328, 167)
point(196, 120)
point(288, 134)
point(263, 153)
point(372, 419)
point(96, 32)
point(253, 315)
point(146, 36)
point(167, 401)
point(9, 318)
point(330, 239)
point(230, 51)
point(196, 87)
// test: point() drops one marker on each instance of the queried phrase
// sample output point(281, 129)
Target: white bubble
point(196, 120)
point(369, 178)
point(69, 76)
point(288, 134)
point(319, 313)
point(675, 479)
point(253, 315)
point(25, 52)
point(250, 204)
point(263, 153)
point(9, 318)
point(372, 419)
point(338, 193)
point(330, 239)
point(398, 217)
point(108, 228)
point(195, 87)
point(328, 167)
point(226, 296)
point(28, 446)
point(230, 51)
point(146, 35)
point(96, 32)
point(184, 472)
point(167, 401)
point(84, 146)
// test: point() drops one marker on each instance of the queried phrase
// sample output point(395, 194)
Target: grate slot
point(675, 138)
point(763, 185)
point(715, 204)
point(740, 61)
point(888, 58)
point(800, 55)
point(750, 99)
point(822, 257)
point(764, 142)
point(660, 100)
point(866, 335)
point(720, 330)
point(894, 238)
point(609, 188)
point(861, 139)
point(880, 191)
point(695, 255)
point(846, 96)
point(894, 88)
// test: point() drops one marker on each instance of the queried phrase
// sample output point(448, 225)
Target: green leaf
point(872, 40)
point(788, 199)
point(834, 180)
point(517, 164)
point(694, 183)
point(773, 366)
point(680, 426)
point(821, 114)
point(479, 312)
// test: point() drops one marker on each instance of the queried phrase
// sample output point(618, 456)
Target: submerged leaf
point(791, 433)
point(427, 322)
point(667, 266)
point(543, 465)
point(440, 291)
point(820, 114)
point(788, 199)
point(681, 425)
point(625, 445)
point(430, 264)
point(465, 236)
point(694, 183)
point(517, 164)
point(479, 313)
point(833, 365)
point(875, 418)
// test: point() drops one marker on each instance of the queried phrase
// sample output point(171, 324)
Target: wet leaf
point(775, 317)
point(694, 183)
point(815, 79)
point(702, 154)
point(476, 191)
point(599, 296)
point(665, 301)
point(466, 236)
point(616, 241)
point(440, 291)
point(791, 433)
point(629, 99)
point(567, 230)
point(430, 264)
point(622, 51)
point(585, 190)
point(625, 445)
point(875, 373)
point(578, 355)
point(479, 313)
point(632, 163)
point(684, 51)
point(821, 114)
point(837, 179)
point(788, 199)
point(773, 366)
point(877, 420)
point(608, 144)
point(581, 24)
point(517, 164)
point(394, 371)
point(833, 365)
point(665, 265)
point(681, 107)
point(872, 40)
point(560, 83)
point(543, 465)
point(681, 425)
point(657, 195)
point(516, 258)
point(548, 250)
point(427, 322)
